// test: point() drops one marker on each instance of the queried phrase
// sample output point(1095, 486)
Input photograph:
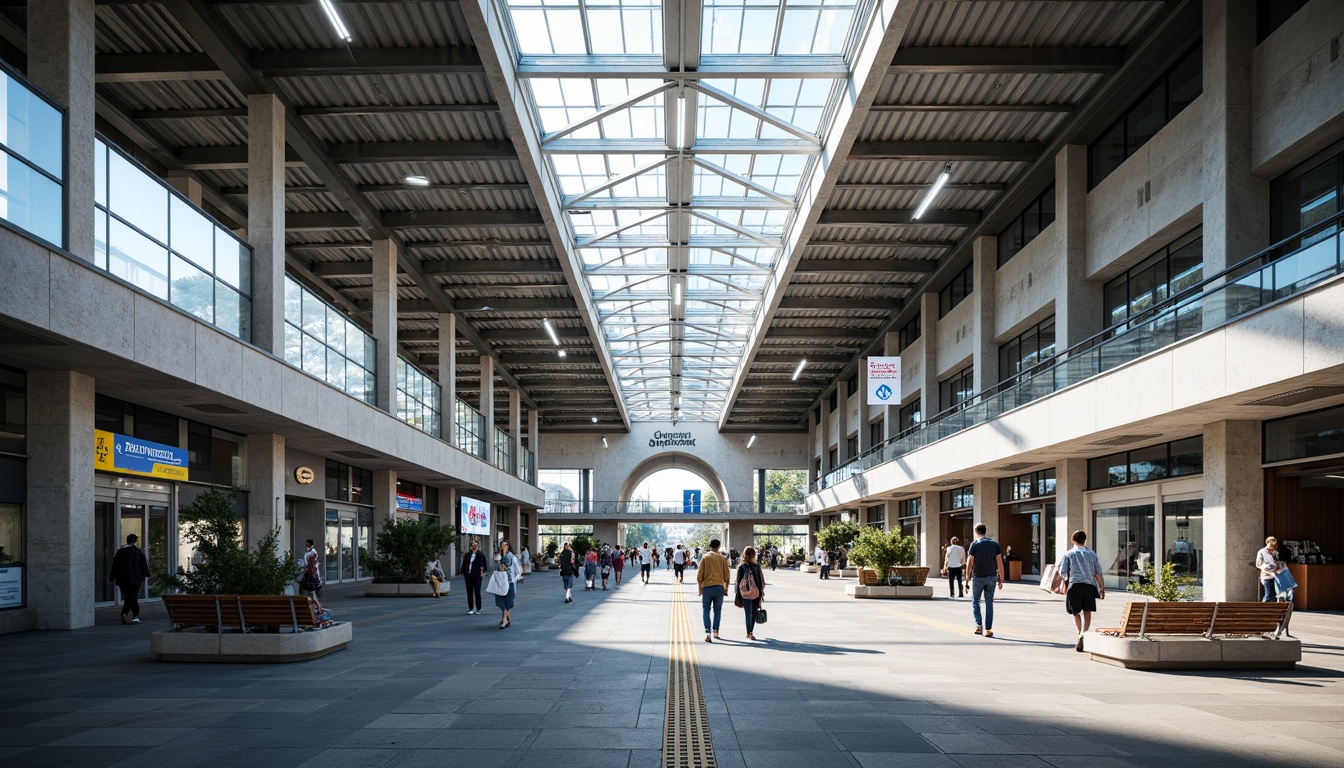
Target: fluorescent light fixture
point(937, 187)
point(681, 120)
point(415, 180)
point(799, 370)
point(550, 331)
point(563, 353)
point(604, 441)
point(752, 440)
point(337, 24)
point(676, 294)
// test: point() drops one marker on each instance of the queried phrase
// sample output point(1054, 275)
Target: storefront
point(13, 488)
point(1026, 521)
point(909, 523)
point(957, 518)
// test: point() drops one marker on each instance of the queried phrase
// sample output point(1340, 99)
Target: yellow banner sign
point(129, 456)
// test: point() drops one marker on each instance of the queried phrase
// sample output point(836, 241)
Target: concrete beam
point(897, 217)
point(819, 333)
point(816, 302)
point(865, 266)
point(947, 151)
point(1006, 60)
point(153, 67)
point(449, 60)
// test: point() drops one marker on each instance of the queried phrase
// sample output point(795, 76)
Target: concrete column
point(265, 484)
point(604, 532)
point(813, 430)
point(930, 530)
point(448, 374)
point(186, 185)
point(865, 411)
point(266, 218)
point(928, 364)
point(987, 506)
point(61, 63)
point(384, 497)
point(514, 515)
point(985, 354)
point(487, 404)
point(447, 511)
point(516, 427)
point(824, 424)
point(813, 524)
point(1077, 302)
point(1234, 509)
point(534, 437)
point(741, 534)
point(1070, 503)
point(1236, 203)
point(60, 541)
point(385, 322)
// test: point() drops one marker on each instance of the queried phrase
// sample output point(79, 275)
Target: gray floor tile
point(877, 741)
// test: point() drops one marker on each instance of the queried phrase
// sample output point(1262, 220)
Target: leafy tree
point(839, 534)
point(227, 566)
point(404, 546)
point(638, 533)
point(1171, 588)
point(879, 550)
point(581, 544)
point(786, 485)
point(701, 533)
point(552, 548)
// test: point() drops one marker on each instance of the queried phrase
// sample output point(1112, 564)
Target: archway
point(673, 460)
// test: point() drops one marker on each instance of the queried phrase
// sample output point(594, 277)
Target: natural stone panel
point(262, 378)
point(266, 482)
point(1071, 412)
point(1266, 347)
point(1293, 115)
point(332, 408)
point(1255, 649)
point(165, 340)
point(25, 293)
point(1199, 370)
point(298, 393)
point(912, 372)
point(1323, 328)
point(81, 306)
point(363, 421)
point(955, 334)
point(1140, 390)
point(1070, 503)
point(219, 361)
point(1176, 162)
point(1025, 286)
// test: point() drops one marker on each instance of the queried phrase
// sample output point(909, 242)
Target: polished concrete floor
point(832, 683)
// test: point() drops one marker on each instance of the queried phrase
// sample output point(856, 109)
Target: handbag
point(499, 584)
point(1284, 581)
point(761, 616)
point(737, 601)
point(1059, 583)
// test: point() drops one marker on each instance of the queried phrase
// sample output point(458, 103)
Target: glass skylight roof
point(678, 193)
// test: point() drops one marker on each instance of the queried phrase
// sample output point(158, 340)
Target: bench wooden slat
point(1140, 618)
point(240, 612)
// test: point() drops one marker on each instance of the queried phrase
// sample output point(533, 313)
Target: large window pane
point(193, 235)
point(30, 201)
point(233, 261)
point(1106, 154)
point(1185, 82)
point(137, 259)
point(193, 290)
point(32, 128)
point(137, 197)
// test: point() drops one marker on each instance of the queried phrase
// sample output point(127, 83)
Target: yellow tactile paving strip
point(686, 737)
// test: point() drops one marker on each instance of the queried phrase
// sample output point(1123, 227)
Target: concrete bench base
point(200, 645)
point(404, 590)
point(1181, 652)
point(842, 572)
point(889, 593)
point(811, 569)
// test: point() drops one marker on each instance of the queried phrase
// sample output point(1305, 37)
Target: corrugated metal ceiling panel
point(374, 90)
point(372, 25)
point(1018, 22)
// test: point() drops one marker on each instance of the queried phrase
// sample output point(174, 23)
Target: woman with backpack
point(590, 570)
point(750, 589)
point(605, 563)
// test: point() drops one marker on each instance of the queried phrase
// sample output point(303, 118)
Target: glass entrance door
point(104, 546)
point(342, 545)
point(1124, 542)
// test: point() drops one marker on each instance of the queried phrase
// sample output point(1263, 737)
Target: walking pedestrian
point(655, 558)
point(1268, 563)
point(590, 570)
point(750, 589)
point(472, 571)
point(434, 575)
point(819, 557)
point(310, 583)
point(645, 562)
point(129, 571)
point(828, 559)
point(678, 563)
point(1082, 570)
point(507, 562)
point(605, 564)
point(618, 564)
point(954, 560)
point(667, 558)
point(569, 568)
point(526, 557)
point(984, 560)
point(711, 581)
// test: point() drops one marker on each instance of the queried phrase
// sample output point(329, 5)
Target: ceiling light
point(752, 440)
point(937, 187)
point(681, 120)
point(415, 180)
point(676, 294)
point(799, 370)
point(563, 353)
point(604, 441)
point(337, 24)
point(550, 331)
point(594, 419)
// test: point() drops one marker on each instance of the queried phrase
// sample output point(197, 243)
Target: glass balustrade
point(503, 450)
point(1300, 262)
point(470, 428)
point(418, 399)
point(323, 343)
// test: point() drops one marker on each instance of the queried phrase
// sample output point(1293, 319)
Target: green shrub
point(227, 567)
point(1172, 588)
point(581, 545)
point(838, 534)
point(552, 548)
point(879, 550)
point(404, 546)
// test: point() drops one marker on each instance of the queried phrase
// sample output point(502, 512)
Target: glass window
point(1123, 539)
point(1033, 485)
point(909, 415)
point(1180, 457)
point(192, 289)
point(876, 432)
point(193, 235)
point(910, 332)
point(30, 200)
point(156, 426)
point(14, 411)
point(1034, 218)
point(1319, 433)
point(958, 498)
point(957, 389)
point(1106, 154)
point(325, 344)
point(32, 128)
point(1173, 92)
point(1183, 532)
point(955, 291)
point(1147, 464)
point(361, 486)
point(11, 535)
point(1175, 268)
point(1145, 118)
point(137, 198)
point(1034, 346)
point(1271, 14)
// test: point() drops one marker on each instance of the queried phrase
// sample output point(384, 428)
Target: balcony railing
point(323, 343)
point(503, 450)
point(1285, 268)
point(470, 429)
point(527, 468)
point(666, 508)
point(418, 399)
point(32, 139)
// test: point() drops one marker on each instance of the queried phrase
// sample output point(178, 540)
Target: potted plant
point(887, 559)
point(224, 565)
point(838, 536)
point(552, 549)
point(1170, 588)
point(403, 547)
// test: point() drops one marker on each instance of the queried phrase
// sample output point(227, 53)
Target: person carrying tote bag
point(507, 570)
point(751, 591)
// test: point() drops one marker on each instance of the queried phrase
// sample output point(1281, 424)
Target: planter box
point(811, 569)
point(842, 572)
point(911, 575)
point(1192, 652)
point(889, 593)
point(404, 590)
point(200, 645)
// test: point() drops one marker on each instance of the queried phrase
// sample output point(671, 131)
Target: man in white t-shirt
point(645, 562)
point(679, 563)
point(819, 557)
point(954, 563)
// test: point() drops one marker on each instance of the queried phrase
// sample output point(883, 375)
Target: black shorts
point(1081, 598)
point(644, 567)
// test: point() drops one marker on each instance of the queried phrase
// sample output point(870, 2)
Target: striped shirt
point(1081, 566)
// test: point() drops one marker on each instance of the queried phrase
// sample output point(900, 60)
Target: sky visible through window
point(678, 192)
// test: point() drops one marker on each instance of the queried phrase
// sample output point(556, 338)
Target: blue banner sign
point(690, 502)
point(410, 503)
point(129, 456)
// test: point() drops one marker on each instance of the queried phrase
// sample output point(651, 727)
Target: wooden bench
point(1198, 636)
point(1141, 619)
point(241, 613)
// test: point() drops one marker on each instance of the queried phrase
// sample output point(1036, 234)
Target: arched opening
point(673, 460)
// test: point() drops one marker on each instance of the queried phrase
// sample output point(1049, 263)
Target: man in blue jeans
point(984, 566)
point(711, 580)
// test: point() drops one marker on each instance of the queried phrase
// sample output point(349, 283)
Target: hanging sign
point(884, 380)
point(409, 503)
point(690, 502)
point(129, 456)
point(475, 516)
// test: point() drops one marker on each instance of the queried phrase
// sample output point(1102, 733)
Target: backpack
point(748, 588)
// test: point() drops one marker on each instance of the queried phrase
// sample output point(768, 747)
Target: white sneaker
point(471, 613)
point(136, 620)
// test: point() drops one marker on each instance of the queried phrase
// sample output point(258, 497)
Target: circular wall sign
point(304, 475)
